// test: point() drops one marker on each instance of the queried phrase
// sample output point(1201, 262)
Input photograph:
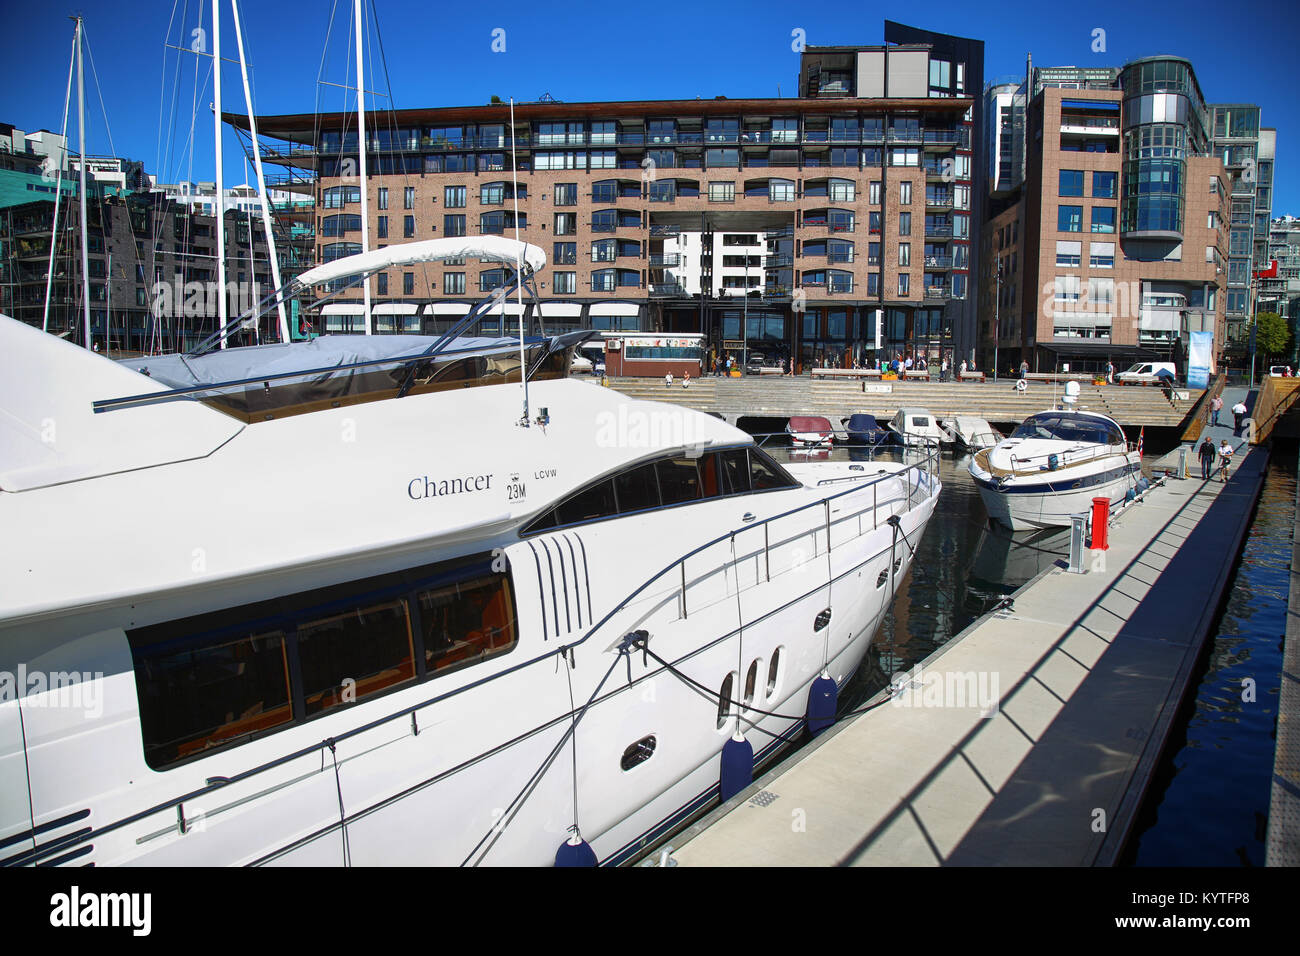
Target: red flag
point(1141, 435)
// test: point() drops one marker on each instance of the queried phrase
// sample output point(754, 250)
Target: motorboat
point(864, 430)
point(298, 619)
point(971, 433)
point(1052, 466)
point(916, 426)
point(810, 430)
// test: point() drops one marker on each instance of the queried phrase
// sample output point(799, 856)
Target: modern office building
point(852, 206)
point(1247, 152)
point(1114, 245)
point(1279, 288)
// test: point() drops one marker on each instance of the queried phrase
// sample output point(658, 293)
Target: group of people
point(1208, 452)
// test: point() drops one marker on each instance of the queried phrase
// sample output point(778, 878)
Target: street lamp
point(997, 316)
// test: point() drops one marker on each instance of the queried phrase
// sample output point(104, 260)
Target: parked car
point(1145, 373)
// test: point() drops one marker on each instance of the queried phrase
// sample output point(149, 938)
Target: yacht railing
point(1070, 456)
point(919, 482)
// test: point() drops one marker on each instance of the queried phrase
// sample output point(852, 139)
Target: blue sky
point(441, 55)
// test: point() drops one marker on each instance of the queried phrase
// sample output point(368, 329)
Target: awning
point(394, 308)
point(561, 310)
point(343, 308)
point(615, 308)
point(1086, 349)
point(450, 308)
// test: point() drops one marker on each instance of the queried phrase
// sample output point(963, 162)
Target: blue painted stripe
point(1058, 487)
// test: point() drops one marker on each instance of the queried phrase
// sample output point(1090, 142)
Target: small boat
point(1052, 466)
point(864, 430)
point(810, 430)
point(916, 426)
point(971, 433)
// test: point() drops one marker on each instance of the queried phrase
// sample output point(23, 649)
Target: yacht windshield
point(1071, 428)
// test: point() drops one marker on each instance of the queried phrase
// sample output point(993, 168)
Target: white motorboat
point(916, 426)
point(1052, 466)
point(268, 605)
point(971, 433)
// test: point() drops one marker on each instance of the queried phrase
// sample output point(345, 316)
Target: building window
point(904, 283)
point(383, 197)
point(408, 283)
point(408, 197)
point(566, 223)
point(780, 190)
point(904, 223)
point(1069, 219)
point(566, 282)
point(905, 194)
point(335, 197)
point(1068, 253)
point(381, 283)
point(604, 250)
point(454, 197)
point(1103, 218)
point(1071, 182)
point(873, 194)
point(453, 283)
point(1103, 185)
point(566, 194)
point(603, 281)
point(904, 253)
point(564, 253)
point(408, 226)
point(722, 192)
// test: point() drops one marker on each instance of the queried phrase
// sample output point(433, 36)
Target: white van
point(1144, 373)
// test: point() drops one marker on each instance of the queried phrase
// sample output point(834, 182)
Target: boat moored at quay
point(308, 623)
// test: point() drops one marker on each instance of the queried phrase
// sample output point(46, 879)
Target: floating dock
point(1087, 672)
point(1283, 840)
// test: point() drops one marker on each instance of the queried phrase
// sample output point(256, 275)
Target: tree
point(1271, 333)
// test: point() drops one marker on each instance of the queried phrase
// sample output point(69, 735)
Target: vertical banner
point(1199, 350)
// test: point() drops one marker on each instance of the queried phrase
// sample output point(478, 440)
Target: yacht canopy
point(493, 248)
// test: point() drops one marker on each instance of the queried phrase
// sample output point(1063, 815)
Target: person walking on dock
point(1225, 458)
point(1207, 452)
point(1238, 413)
point(1216, 406)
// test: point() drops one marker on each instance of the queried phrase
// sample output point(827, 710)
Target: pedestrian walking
point(1024, 368)
point(961, 369)
point(1216, 406)
point(1207, 454)
point(1238, 414)
point(1225, 458)
point(1110, 373)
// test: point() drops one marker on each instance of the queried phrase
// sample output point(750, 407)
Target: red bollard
point(1100, 521)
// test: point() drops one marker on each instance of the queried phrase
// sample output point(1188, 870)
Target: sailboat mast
point(361, 144)
point(221, 192)
point(85, 231)
point(519, 268)
point(58, 183)
point(261, 179)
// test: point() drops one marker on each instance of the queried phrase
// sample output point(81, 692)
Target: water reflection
point(1221, 756)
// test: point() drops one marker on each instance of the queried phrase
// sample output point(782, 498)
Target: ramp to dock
point(1089, 671)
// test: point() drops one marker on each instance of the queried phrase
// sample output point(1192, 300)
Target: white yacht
point(1052, 466)
point(916, 426)
point(971, 433)
point(300, 605)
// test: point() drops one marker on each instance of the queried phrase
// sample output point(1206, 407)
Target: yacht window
point(920, 422)
point(638, 490)
point(465, 621)
point(348, 656)
point(219, 679)
point(1070, 428)
point(597, 501)
point(196, 694)
point(735, 471)
point(679, 480)
point(765, 474)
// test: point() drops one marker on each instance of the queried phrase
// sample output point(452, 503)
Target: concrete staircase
point(998, 402)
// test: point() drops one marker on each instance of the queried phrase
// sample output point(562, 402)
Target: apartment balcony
point(777, 261)
point(1243, 187)
point(942, 140)
point(906, 137)
point(938, 199)
point(668, 290)
point(938, 230)
point(665, 262)
point(661, 229)
point(839, 255)
point(933, 292)
point(938, 263)
point(934, 172)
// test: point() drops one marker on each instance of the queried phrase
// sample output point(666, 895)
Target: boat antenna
point(519, 268)
point(58, 182)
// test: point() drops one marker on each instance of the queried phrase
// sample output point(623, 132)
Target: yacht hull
point(1051, 501)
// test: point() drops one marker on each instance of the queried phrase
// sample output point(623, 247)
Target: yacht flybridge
point(273, 607)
